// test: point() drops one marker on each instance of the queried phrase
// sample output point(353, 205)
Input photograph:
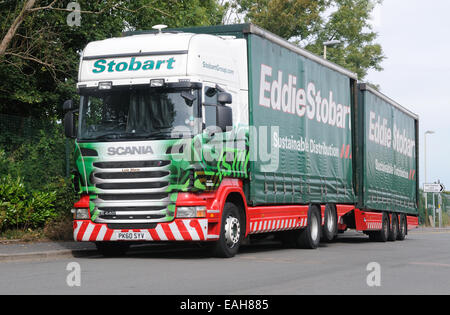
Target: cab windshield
point(138, 113)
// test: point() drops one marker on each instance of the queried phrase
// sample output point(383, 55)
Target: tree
point(39, 51)
point(350, 24)
point(29, 4)
point(286, 18)
point(310, 23)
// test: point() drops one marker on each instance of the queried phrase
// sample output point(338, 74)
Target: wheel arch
point(239, 200)
point(231, 190)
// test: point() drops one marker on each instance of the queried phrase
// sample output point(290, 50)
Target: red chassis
point(260, 219)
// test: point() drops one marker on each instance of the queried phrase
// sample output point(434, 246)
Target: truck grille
point(132, 164)
point(131, 175)
point(132, 192)
point(109, 197)
point(132, 185)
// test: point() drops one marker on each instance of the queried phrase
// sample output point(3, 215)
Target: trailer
point(218, 134)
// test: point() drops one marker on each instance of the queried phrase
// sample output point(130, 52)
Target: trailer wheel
point(393, 231)
point(403, 228)
point(112, 249)
point(231, 232)
point(330, 224)
point(383, 234)
point(309, 237)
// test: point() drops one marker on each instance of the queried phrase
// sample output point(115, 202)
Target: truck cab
point(149, 106)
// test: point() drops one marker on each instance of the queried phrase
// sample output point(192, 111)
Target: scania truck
point(219, 134)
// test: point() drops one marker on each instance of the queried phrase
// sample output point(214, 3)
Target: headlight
point(81, 214)
point(191, 212)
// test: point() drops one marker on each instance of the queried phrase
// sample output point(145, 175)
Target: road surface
point(351, 265)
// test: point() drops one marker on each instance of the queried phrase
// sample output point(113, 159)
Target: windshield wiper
point(170, 134)
point(108, 136)
point(130, 136)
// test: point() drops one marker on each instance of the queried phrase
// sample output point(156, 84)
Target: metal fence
point(433, 210)
point(16, 131)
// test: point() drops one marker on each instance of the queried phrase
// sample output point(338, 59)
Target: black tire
point(383, 234)
point(329, 230)
point(309, 238)
point(230, 233)
point(112, 249)
point(393, 232)
point(403, 228)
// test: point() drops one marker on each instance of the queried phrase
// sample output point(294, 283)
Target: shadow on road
point(202, 251)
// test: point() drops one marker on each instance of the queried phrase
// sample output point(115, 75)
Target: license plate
point(130, 236)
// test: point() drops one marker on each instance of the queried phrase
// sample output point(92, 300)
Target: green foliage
point(64, 196)
point(174, 13)
point(288, 19)
point(41, 161)
point(22, 209)
point(33, 189)
point(424, 214)
point(37, 153)
point(5, 163)
point(310, 23)
point(350, 24)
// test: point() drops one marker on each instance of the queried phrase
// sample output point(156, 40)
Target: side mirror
point(68, 105)
point(189, 98)
point(224, 117)
point(69, 125)
point(224, 98)
point(219, 117)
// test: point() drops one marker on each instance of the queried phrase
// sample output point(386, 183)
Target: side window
point(210, 115)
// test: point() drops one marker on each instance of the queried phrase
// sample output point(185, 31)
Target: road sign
point(433, 188)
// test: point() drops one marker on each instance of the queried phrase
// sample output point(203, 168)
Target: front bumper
point(177, 230)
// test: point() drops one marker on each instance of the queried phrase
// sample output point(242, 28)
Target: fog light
point(191, 212)
point(81, 214)
point(105, 85)
point(157, 83)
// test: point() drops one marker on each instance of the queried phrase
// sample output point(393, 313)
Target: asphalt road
point(418, 265)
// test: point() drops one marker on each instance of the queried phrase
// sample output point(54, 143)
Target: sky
point(415, 36)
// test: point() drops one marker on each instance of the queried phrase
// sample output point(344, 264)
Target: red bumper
point(177, 230)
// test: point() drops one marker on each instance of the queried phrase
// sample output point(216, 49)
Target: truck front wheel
point(231, 232)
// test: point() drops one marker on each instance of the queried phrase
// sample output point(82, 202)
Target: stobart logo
point(103, 65)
